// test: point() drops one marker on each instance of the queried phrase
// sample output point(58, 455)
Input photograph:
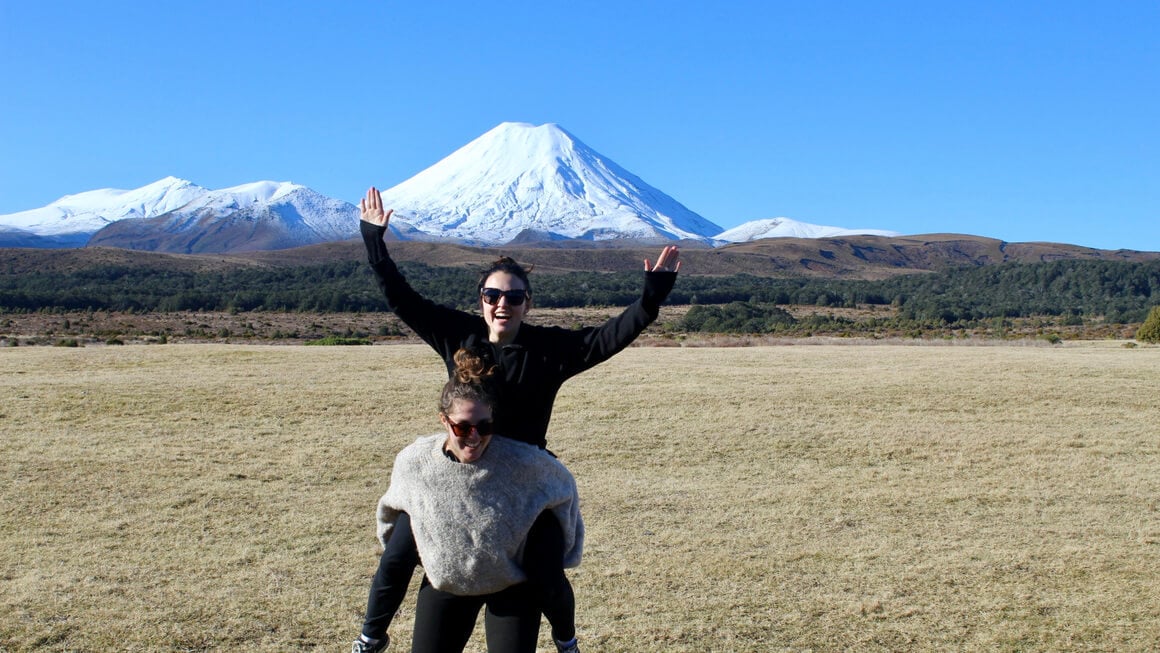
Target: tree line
point(1118, 292)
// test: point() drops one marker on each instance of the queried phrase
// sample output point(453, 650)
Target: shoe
point(362, 646)
point(567, 647)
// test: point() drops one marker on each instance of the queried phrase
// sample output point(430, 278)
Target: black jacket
point(536, 363)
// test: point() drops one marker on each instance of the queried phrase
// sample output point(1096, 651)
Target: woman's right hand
point(371, 208)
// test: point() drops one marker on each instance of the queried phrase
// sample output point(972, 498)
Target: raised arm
point(598, 344)
point(441, 327)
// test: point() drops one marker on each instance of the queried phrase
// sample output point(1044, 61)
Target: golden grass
point(792, 498)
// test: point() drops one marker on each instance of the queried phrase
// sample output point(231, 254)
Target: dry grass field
point(839, 497)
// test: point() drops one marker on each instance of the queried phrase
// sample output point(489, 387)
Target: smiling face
point(468, 444)
point(503, 318)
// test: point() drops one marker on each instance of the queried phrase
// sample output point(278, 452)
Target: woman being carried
point(471, 499)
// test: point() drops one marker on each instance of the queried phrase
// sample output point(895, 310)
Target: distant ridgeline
point(1121, 292)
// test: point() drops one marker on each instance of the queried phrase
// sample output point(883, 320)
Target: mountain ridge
point(515, 183)
point(516, 186)
point(264, 215)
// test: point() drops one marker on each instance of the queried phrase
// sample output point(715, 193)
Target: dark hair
point(509, 265)
point(472, 380)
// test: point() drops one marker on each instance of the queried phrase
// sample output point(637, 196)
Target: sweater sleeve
point(439, 326)
point(390, 505)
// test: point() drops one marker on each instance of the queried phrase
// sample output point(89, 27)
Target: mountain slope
point(786, 228)
point(519, 180)
point(258, 216)
point(854, 257)
point(71, 220)
point(851, 257)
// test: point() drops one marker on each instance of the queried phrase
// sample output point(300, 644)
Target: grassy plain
point(837, 497)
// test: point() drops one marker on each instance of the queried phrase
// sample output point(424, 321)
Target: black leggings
point(548, 586)
point(389, 587)
point(444, 621)
point(544, 567)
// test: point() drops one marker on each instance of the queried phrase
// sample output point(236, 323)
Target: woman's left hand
point(668, 261)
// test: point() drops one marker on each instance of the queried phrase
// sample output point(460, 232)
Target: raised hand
point(371, 208)
point(668, 261)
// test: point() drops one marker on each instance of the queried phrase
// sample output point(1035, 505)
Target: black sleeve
point(598, 344)
point(439, 326)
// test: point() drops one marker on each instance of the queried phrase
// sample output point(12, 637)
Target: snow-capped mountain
point(257, 216)
point(786, 228)
point(516, 183)
point(73, 219)
point(520, 178)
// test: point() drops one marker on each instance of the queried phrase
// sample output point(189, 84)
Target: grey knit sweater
point(470, 520)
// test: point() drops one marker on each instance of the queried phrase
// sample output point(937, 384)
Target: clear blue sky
point(1014, 120)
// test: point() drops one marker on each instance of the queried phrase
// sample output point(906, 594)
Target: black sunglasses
point(492, 295)
point(463, 429)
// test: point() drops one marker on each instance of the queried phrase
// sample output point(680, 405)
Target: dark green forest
point(1117, 292)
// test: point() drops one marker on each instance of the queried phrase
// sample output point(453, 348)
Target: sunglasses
point(514, 297)
point(464, 429)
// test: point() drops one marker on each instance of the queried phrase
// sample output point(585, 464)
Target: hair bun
point(470, 367)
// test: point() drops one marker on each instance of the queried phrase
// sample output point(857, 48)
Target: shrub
point(67, 342)
point(336, 340)
point(736, 317)
point(1149, 331)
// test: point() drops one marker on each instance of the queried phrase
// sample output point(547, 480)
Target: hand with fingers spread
point(371, 208)
point(668, 261)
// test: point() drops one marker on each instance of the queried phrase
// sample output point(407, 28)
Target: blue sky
point(1014, 120)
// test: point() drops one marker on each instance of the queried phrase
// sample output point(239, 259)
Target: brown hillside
point(18, 260)
point(854, 257)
